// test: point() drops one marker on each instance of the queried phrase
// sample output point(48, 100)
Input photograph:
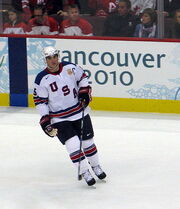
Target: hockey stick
point(80, 139)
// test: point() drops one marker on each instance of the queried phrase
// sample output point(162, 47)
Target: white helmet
point(50, 51)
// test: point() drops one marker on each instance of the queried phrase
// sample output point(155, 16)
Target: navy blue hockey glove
point(84, 95)
point(45, 123)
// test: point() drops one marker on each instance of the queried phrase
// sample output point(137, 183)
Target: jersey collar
point(57, 72)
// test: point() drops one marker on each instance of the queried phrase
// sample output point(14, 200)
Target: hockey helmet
point(50, 51)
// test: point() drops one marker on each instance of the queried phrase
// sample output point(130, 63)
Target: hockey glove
point(84, 95)
point(45, 123)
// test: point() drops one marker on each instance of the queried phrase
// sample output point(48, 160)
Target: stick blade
point(79, 177)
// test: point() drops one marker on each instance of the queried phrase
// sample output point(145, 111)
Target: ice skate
point(99, 172)
point(88, 178)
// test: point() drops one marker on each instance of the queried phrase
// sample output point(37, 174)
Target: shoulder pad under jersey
point(64, 63)
point(40, 76)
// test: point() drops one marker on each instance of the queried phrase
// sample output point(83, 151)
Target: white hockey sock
point(72, 146)
point(90, 151)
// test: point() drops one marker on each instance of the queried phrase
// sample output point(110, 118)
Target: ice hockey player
point(61, 93)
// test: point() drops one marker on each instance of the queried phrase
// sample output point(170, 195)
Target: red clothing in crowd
point(17, 28)
point(49, 26)
point(100, 6)
point(81, 28)
point(68, 2)
point(28, 5)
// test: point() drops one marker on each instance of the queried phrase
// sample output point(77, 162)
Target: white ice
point(139, 152)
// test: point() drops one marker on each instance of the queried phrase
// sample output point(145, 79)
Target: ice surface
point(139, 152)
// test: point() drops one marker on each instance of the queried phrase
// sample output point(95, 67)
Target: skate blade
point(103, 181)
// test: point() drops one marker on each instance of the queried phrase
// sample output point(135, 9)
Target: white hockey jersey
point(138, 6)
point(56, 94)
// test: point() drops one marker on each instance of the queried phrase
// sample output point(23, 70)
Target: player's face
point(52, 61)
point(12, 16)
point(146, 18)
point(74, 14)
point(122, 8)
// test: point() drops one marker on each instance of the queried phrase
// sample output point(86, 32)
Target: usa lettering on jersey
point(51, 88)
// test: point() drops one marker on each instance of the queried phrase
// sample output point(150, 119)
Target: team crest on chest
point(69, 71)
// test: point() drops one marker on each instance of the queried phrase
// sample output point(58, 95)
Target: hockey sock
point(90, 151)
point(72, 146)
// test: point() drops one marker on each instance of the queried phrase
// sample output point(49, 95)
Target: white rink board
point(117, 69)
point(4, 65)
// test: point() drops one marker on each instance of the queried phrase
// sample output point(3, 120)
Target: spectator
point(102, 7)
point(174, 30)
point(74, 25)
point(15, 25)
point(174, 5)
point(147, 27)
point(64, 6)
point(121, 23)
point(84, 7)
point(42, 24)
point(138, 6)
point(170, 6)
point(27, 7)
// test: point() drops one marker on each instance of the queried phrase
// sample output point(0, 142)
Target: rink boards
point(126, 75)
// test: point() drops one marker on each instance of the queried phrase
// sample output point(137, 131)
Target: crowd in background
point(114, 18)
